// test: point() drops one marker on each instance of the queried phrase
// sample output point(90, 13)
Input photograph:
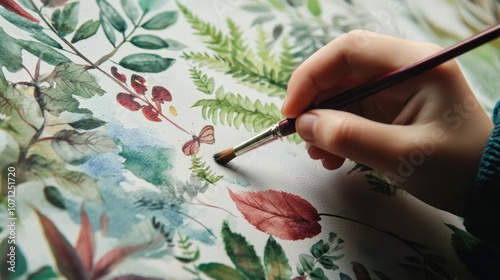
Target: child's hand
point(427, 134)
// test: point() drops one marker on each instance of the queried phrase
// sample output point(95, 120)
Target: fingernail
point(306, 125)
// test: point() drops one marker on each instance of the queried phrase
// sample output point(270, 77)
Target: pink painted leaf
point(360, 271)
point(282, 214)
point(150, 113)
point(85, 245)
point(161, 94)
point(139, 84)
point(66, 258)
point(119, 76)
point(12, 6)
point(104, 224)
point(114, 257)
point(127, 101)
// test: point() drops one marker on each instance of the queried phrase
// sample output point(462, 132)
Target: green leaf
point(130, 10)
point(53, 195)
point(56, 101)
point(146, 62)
point(65, 22)
point(108, 30)
point(278, 4)
point(76, 183)
point(219, 271)
point(242, 254)
point(87, 124)
point(327, 263)
point(148, 5)
point(34, 29)
point(43, 52)
point(73, 146)
point(8, 248)
point(45, 273)
point(11, 55)
point(112, 16)
point(256, 8)
point(150, 42)
point(149, 163)
point(174, 45)
point(319, 248)
point(307, 262)
point(75, 79)
point(318, 274)
point(314, 7)
point(86, 30)
point(161, 21)
point(275, 261)
point(263, 19)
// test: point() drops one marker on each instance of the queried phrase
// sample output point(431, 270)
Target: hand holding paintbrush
point(423, 125)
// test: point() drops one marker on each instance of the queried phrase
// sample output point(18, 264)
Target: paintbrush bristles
point(225, 156)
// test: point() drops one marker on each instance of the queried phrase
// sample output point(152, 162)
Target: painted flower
point(127, 101)
point(139, 84)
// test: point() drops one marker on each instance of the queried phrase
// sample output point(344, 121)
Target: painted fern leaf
point(214, 38)
point(203, 171)
point(233, 56)
point(237, 110)
point(201, 81)
point(288, 62)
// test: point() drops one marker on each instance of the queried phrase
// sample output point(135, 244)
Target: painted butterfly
point(193, 146)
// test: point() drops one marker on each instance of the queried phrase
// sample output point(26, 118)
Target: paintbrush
point(356, 94)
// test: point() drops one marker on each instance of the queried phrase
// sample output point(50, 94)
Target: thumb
point(350, 136)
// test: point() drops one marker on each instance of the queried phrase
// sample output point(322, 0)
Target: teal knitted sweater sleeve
point(483, 215)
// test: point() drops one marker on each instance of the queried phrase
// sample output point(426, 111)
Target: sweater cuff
point(489, 168)
point(482, 218)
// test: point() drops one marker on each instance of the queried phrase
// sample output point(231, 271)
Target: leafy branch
point(233, 56)
point(323, 254)
point(234, 109)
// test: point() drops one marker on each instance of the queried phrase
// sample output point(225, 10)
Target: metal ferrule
point(258, 140)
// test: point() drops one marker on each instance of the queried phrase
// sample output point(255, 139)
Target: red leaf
point(161, 94)
point(150, 113)
point(360, 271)
point(12, 6)
point(114, 257)
point(121, 77)
point(67, 260)
point(85, 244)
point(139, 84)
point(282, 214)
point(127, 101)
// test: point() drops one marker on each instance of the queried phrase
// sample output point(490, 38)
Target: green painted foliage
point(150, 163)
point(86, 30)
point(65, 21)
point(146, 62)
point(77, 183)
point(233, 55)
point(202, 170)
point(242, 254)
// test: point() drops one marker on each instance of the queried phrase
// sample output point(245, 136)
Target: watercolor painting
point(111, 110)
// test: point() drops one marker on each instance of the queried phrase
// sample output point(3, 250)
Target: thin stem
point(211, 206)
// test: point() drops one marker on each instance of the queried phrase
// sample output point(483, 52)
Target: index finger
point(359, 54)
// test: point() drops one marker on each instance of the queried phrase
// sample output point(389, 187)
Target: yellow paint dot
point(172, 110)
